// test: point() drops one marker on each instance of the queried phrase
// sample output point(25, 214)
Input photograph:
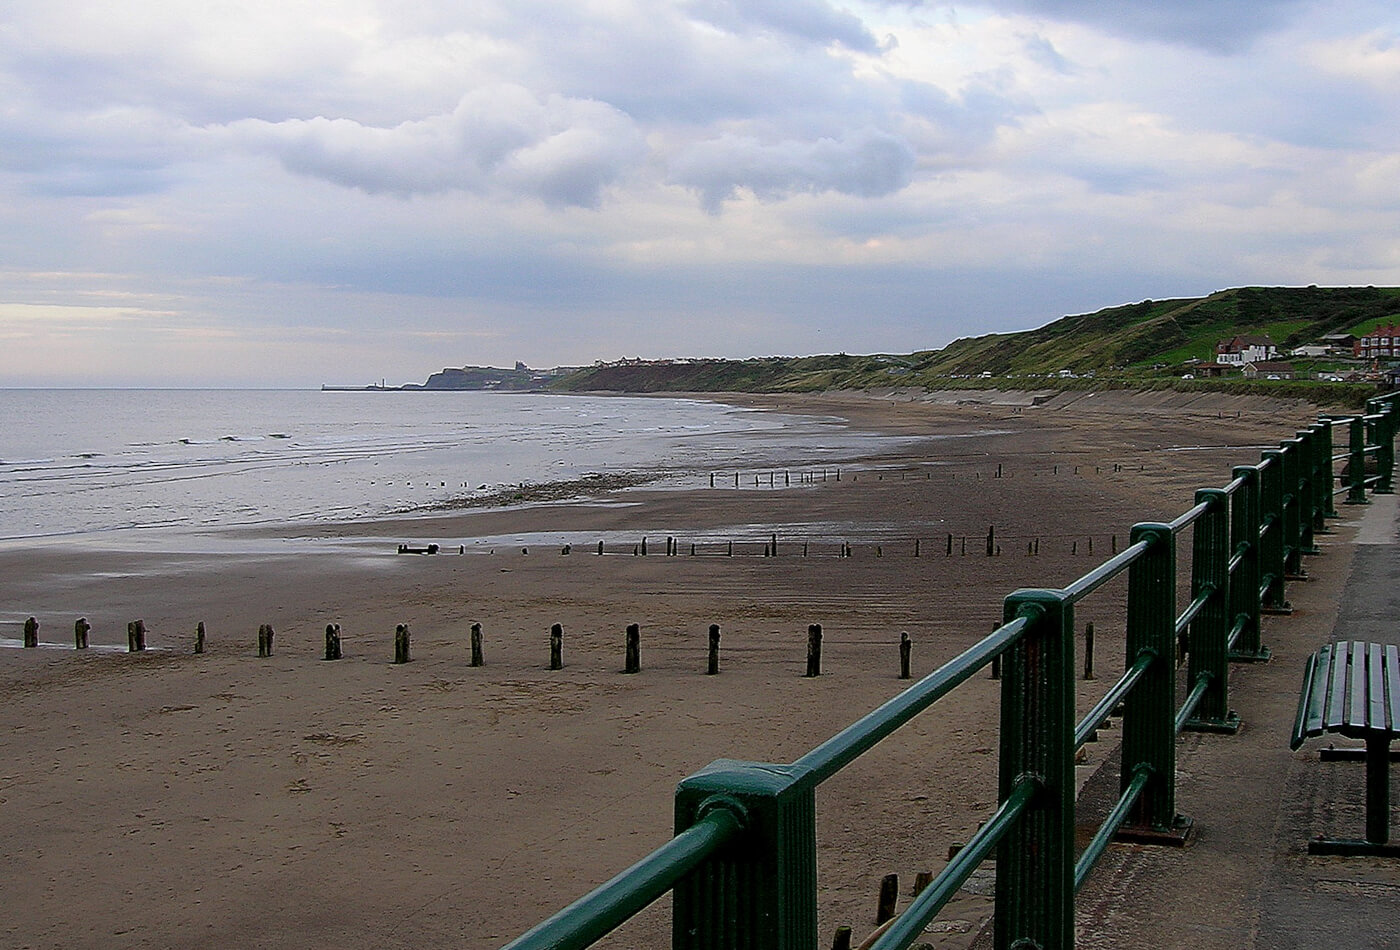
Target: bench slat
point(1392, 686)
point(1306, 721)
point(1356, 672)
point(1375, 686)
point(1337, 688)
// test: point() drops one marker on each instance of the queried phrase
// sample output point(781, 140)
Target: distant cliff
point(491, 378)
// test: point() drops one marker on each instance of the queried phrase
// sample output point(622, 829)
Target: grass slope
point(1119, 345)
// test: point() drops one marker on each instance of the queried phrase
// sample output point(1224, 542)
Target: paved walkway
point(1246, 879)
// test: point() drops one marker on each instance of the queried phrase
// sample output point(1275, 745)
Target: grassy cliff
point(1118, 346)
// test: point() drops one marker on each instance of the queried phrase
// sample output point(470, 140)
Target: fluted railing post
point(1035, 863)
point(1245, 582)
point(1272, 567)
point(1356, 462)
point(1149, 713)
point(759, 892)
point(1209, 633)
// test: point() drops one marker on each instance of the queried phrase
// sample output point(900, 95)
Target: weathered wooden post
point(477, 659)
point(814, 649)
point(991, 540)
point(401, 643)
point(556, 647)
point(906, 646)
point(1088, 651)
point(31, 632)
point(140, 627)
point(199, 637)
point(921, 882)
point(634, 649)
point(889, 895)
point(333, 641)
point(131, 636)
point(713, 667)
point(80, 633)
point(264, 640)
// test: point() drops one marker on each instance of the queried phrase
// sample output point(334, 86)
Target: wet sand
point(166, 799)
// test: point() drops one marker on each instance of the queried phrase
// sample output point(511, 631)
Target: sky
point(290, 193)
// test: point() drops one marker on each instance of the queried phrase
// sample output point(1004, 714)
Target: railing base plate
point(1262, 655)
point(1174, 837)
point(1284, 611)
point(1226, 727)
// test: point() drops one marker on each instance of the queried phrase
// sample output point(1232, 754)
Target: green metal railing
point(743, 863)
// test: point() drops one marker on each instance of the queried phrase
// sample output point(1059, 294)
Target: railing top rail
point(611, 904)
point(858, 738)
point(1105, 572)
point(1234, 485)
point(1190, 517)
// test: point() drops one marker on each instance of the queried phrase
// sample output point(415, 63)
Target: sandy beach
point(172, 800)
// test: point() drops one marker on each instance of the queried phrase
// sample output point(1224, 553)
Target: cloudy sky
point(290, 192)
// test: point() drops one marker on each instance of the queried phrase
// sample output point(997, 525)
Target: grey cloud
point(1223, 26)
point(867, 163)
point(812, 20)
point(561, 150)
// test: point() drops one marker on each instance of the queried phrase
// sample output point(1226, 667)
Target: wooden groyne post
point(265, 634)
point(814, 649)
point(477, 659)
point(906, 646)
point(136, 636)
point(401, 643)
point(199, 637)
point(634, 649)
point(556, 647)
point(333, 641)
point(713, 668)
point(80, 633)
point(31, 632)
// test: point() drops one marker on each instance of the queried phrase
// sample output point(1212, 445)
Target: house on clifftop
point(1246, 348)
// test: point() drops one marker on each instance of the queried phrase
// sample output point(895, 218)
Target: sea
point(129, 467)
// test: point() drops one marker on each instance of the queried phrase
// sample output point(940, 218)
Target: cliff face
point(486, 377)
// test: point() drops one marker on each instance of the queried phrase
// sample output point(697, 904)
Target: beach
point(166, 799)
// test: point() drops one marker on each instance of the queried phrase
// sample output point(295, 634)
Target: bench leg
point(1376, 842)
point(1378, 789)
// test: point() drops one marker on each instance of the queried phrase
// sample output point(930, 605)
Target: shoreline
point(217, 800)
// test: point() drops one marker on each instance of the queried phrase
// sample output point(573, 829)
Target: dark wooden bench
point(1353, 689)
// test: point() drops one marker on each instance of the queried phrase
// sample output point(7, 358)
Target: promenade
point(1246, 879)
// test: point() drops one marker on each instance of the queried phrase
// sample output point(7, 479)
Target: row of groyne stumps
point(402, 649)
point(953, 545)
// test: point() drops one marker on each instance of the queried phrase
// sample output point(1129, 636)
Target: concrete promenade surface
point(1246, 879)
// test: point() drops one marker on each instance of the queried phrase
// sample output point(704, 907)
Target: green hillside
point(1138, 336)
point(1142, 345)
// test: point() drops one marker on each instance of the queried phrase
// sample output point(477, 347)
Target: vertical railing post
point(1384, 440)
point(1271, 545)
point(1210, 632)
point(1149, 712)
point(1323, 507)
point(1356, 463)
point(1035, 863)
point(1244, 584)
point(1307, 496)
point(1292, 522)
point(759, 892)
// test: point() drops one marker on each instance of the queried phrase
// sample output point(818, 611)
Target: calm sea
point(106, 464)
